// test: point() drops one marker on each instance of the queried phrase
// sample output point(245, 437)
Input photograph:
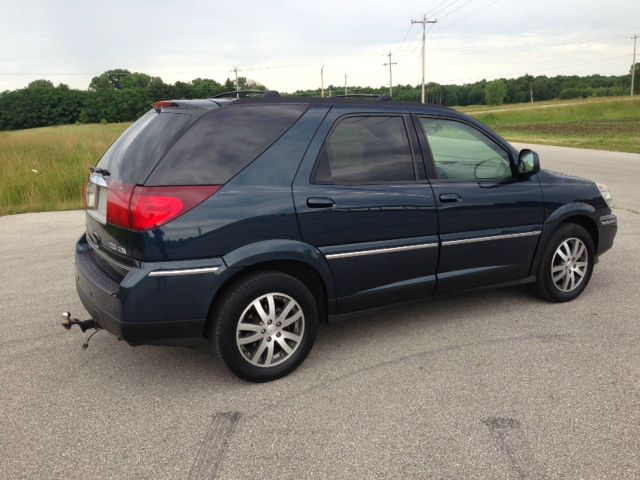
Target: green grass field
point(603, 123)
point(44, 169)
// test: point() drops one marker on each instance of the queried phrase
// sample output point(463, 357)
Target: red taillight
point(118, 200)
point(143, 208)
point(164, 104)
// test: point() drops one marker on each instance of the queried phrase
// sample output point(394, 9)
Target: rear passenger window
point(365, 149)
point(223, 142)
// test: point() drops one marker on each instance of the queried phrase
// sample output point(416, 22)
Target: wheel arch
point(298, 259)
point(577, 213)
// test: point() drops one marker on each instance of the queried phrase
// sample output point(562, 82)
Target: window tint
point(461, 153)
point(134, 154)
point(366, 149)
point(223, 142)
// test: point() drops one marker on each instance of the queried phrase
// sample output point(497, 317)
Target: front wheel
point(264, 326)
point(566, 265)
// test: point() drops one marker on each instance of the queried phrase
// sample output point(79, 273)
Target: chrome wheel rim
point(569, 264)
point(270, 329)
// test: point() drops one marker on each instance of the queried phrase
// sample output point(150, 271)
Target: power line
point(429, 12)
point(455, 9)
point(459, 19)
point(406, 34)
point(493, 47)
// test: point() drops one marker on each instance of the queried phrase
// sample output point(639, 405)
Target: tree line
point(122, 96)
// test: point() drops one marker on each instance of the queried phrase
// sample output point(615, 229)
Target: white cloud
point(283, 43)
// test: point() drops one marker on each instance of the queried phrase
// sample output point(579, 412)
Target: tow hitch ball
point(68, 322)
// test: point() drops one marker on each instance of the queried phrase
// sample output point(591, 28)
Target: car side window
point(463, 154)
point(366, 149)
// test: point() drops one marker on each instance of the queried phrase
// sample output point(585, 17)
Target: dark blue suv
point(248, 221)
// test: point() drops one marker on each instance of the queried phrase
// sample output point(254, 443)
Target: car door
point(362, 198)
point(490, 219)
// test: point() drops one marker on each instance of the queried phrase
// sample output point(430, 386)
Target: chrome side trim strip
point(184, 271)
point(492, 237)
point(609, 222)
point(376, 251)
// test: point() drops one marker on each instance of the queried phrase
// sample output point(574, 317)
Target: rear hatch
point(125, 165)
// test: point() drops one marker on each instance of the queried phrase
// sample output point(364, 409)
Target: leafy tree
point(495, 92)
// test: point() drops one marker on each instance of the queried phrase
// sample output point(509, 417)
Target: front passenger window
point(463, 154)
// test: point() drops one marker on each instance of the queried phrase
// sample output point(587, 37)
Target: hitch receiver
point(68, 322)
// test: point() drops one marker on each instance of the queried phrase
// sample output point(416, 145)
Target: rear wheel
point(566, 265)
point(264, 326)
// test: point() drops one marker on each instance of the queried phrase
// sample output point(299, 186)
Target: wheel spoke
point(561, 254)
point(269, 358)
point(292, 319)
point(559, 276)
point(249, 339)
point(271, 305)
point(581, 250)
point(249, 327)
point(257, 306)
point(285, 311)
point(565, 283)
point(573, 280)
point(557, 268)
point(576, 246)
point(291, 336)
point(260, 350)
point(288, 350)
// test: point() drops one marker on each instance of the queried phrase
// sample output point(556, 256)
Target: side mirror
point(528, 162)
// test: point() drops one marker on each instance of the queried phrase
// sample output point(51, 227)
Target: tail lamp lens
point(143, 208)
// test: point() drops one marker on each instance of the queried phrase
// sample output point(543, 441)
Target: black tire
point(238, 300)
point(545, 286)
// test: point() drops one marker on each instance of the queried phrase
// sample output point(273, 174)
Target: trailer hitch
point(68, 322)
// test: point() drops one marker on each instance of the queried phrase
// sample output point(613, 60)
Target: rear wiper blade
point(100, 171)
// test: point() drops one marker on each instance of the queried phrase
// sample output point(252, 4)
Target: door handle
point(450, 197)
point(320, 202)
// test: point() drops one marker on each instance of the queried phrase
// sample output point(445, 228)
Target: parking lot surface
point(484, 384)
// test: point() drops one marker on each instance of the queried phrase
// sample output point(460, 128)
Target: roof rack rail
point(248, 93)
point(380, 98)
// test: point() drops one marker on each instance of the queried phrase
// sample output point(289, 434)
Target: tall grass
point(606, 124)
point(44, 169)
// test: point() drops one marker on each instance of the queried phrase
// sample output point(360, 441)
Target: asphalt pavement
point(485, 384)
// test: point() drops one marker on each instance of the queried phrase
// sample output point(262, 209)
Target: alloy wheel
point(569, 264)
point(270, 329)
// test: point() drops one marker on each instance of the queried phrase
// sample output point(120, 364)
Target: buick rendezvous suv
point(247, 221)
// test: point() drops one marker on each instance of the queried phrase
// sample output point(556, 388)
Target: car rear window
point(222, 142)
point(133, 155)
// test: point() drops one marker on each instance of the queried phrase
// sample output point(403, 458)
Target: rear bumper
point(155, 303)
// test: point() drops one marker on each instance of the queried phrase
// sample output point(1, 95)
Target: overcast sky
point(283, 43)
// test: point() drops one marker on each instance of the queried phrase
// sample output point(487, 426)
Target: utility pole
point(390, 77)
point(345, 84)
point(235, 69)
point(322, 81)
point(424, 22)
point(531, 94)
point(633, 66)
